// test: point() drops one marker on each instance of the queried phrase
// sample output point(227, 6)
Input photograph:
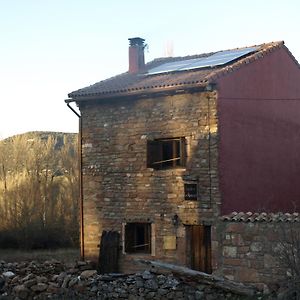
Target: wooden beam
point(212, 280)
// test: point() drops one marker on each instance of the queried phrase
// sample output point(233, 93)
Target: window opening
point(191, 191)
point(138, 238)
point(166, 153)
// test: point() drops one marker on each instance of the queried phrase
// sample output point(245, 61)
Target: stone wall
point(250, 251)
point(117, 185)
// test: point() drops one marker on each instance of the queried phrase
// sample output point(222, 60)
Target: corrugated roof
point(261, 217)
point(127, 84)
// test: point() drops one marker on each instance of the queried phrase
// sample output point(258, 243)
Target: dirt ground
point(63, 255)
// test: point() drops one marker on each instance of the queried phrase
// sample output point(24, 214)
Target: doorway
point(199, 240)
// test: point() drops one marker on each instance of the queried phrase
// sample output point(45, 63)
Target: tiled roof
point(261, 217)
point(132, 84)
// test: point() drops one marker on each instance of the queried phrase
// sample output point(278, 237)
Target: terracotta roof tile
point(261, 217)
point(130, 84)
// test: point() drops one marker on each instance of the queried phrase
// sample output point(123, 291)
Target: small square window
point(166, 153)
point(138, 238)
point(191, 191)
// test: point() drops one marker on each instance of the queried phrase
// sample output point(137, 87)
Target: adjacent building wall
point(259, 126)
point(117, 185)
point(252, 252)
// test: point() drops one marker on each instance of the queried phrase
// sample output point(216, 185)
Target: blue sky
point(52, 47)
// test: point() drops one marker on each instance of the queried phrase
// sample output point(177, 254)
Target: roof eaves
point(292, 56)
point(140, 92)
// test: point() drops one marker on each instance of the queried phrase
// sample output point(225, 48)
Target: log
point(198, 276)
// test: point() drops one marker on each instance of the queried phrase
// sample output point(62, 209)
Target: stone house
point(172, 148)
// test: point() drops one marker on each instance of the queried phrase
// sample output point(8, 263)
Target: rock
point(41, 279)
point(8, 274)
point(87, 274)
point(73, 281)
point(66, 281)
point(199, 295)
point(28, 277)
point(29, 283)
point(2, 282)
point(73, 271)
point(54, 284)
point(53, 289)
point(162, 292)
point(161, 279)
point(51, 262)
point(151, 284)
point(178, 295)
point(21, 291)
point(147, 275)
point(139, 282)
point(60, 278)
point(94, 289)
point(54, 277)
point(40, 287)
point(15, 279)
point(150, 295)
point(170, 282)
point(54, 280)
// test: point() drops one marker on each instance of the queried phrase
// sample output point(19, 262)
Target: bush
point(8, 239)
point(288, 254)
point(36, 238)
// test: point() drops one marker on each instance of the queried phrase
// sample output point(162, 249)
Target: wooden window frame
point(168, 153)
point(137, 238)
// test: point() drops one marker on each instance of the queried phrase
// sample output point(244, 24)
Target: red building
point(259, 129)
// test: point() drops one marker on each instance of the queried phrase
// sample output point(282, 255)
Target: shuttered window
point(166, 153)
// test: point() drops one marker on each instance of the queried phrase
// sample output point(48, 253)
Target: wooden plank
point(109, 252)
point(198, 276)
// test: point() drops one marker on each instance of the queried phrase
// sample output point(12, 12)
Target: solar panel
point(216, 59)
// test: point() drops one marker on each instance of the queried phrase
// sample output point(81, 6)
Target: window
point(166, 153)
point(191, 191)
point(138, 238)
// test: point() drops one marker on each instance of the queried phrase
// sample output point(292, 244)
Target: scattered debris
point(55, 280)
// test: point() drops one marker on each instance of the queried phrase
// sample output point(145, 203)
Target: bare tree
point(39, 188)
point(287, 253)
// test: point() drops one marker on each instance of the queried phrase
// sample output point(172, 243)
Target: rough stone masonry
point(118, 187)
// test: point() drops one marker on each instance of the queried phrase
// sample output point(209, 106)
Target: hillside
point(39, 190)
point(30, 136)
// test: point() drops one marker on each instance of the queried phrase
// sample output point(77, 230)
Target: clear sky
point(50, 48)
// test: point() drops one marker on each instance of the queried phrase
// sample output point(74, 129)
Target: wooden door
point(200, 248)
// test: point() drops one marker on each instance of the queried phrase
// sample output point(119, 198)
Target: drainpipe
point(209, 150)
point(68, 101)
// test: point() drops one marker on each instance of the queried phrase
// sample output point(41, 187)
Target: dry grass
point(64, 255)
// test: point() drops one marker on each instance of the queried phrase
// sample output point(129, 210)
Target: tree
point(39, 190)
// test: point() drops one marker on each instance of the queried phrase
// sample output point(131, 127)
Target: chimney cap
point(136, 41)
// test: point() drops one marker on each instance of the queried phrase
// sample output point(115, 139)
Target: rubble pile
point(55, 280)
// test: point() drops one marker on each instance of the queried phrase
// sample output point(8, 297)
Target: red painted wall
point(259, 126)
